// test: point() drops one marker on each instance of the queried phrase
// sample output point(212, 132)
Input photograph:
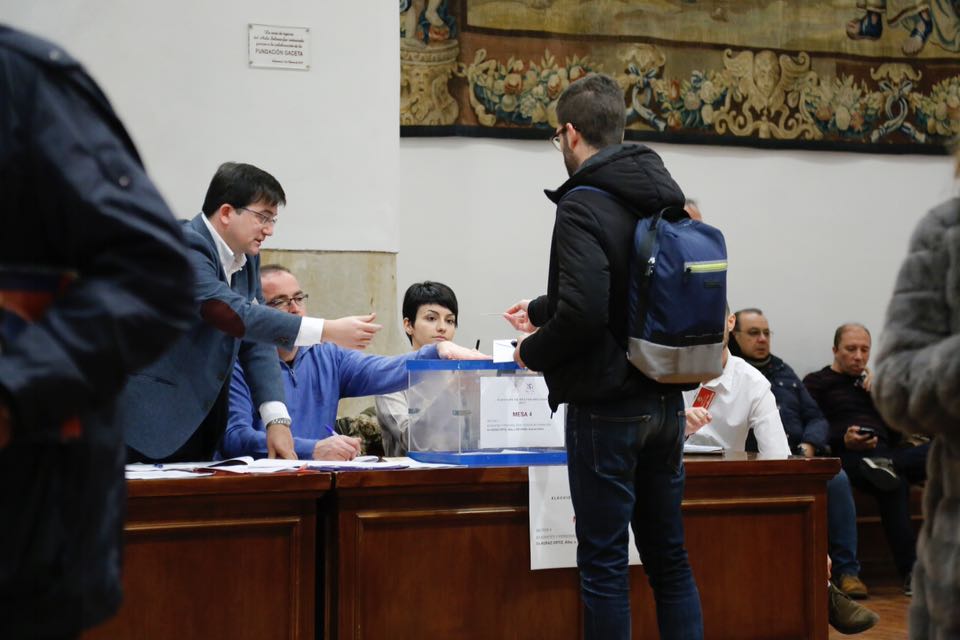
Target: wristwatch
point(284, 421)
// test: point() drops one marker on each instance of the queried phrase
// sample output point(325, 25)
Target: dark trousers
point(205, 440)
point(626, 468)
point(910, 463)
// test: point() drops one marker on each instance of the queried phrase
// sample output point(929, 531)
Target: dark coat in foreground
point(85, 231)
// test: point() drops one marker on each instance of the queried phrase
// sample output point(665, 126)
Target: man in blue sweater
point(315, 378)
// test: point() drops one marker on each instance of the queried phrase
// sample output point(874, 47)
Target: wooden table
point(445, 554)
point(228, 557)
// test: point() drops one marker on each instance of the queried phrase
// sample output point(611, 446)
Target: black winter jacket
point(802, 419)
point(581, 343)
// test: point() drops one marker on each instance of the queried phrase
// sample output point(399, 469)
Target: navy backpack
point(677, 297)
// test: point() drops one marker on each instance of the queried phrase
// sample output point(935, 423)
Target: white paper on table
point(190, 466)
point(263, 465)
point(712, 449)
point(416, 464)
point(347, 465)
point(553, 537)
point(514, 413)
point(160, 474)
point(503, 350)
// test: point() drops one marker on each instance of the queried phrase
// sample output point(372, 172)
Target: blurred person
point(94, 284)
point(916, 389)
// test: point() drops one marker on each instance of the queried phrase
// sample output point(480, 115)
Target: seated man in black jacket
point(868, 449)
point(806, 430)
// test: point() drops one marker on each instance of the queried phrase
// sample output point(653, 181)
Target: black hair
point(427, 292)
point(238, 185)
point(594, 105)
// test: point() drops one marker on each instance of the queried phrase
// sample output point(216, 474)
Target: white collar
point(231, 263)
point(725, 379)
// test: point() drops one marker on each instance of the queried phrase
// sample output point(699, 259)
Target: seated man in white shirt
point(722, 411)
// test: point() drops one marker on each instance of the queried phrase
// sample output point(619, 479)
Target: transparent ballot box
point(477, 412)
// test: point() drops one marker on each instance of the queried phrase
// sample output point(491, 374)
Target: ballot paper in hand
point(503, 350)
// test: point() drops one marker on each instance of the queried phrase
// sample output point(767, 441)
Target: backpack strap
point(647, 252)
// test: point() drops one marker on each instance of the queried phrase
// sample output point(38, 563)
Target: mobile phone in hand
point(867, 431)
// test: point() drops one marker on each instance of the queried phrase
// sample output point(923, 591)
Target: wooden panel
point(746, 550)
point(460, 573)
point(445, 554)
point(230, 557)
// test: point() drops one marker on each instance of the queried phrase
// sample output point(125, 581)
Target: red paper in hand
point(704, 398)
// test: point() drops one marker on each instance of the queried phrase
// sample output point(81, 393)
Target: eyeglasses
point(559, 132)
point(283, 302)
point(756, 333)
point(261, 216)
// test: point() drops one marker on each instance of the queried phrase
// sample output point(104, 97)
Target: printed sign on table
point(553, 537)
point(514, 413)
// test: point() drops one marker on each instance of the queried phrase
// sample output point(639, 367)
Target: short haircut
point(427, 292)
point(238, 185)
point(267, 269)
point(736, 325)
point(594, 105)
point(846, 326)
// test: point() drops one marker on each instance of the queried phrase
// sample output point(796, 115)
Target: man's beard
point(570, 162)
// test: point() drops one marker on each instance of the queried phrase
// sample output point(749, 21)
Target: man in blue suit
point(175, 409)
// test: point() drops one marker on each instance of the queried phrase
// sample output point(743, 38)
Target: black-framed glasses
point(283, 302)
point(264, 218)
point(559, 132)
point(756, 333)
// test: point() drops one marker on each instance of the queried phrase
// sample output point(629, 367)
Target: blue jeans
point(626, 467)
point(842, 526)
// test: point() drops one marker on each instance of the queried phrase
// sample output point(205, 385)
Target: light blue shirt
point(319, 376)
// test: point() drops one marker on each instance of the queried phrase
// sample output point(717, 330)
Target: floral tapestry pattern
point(876, 76)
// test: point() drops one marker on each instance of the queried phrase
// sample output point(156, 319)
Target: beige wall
point(344, 283)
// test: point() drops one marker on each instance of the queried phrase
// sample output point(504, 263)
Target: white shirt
point(311, 329)
point(743, 402)
point(231, 262)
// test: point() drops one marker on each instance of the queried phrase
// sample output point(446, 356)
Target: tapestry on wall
point(865, 75)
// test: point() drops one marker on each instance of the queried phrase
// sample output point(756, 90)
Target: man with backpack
point(624, 430)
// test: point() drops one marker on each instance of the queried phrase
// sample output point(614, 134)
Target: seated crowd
point(759, 403)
